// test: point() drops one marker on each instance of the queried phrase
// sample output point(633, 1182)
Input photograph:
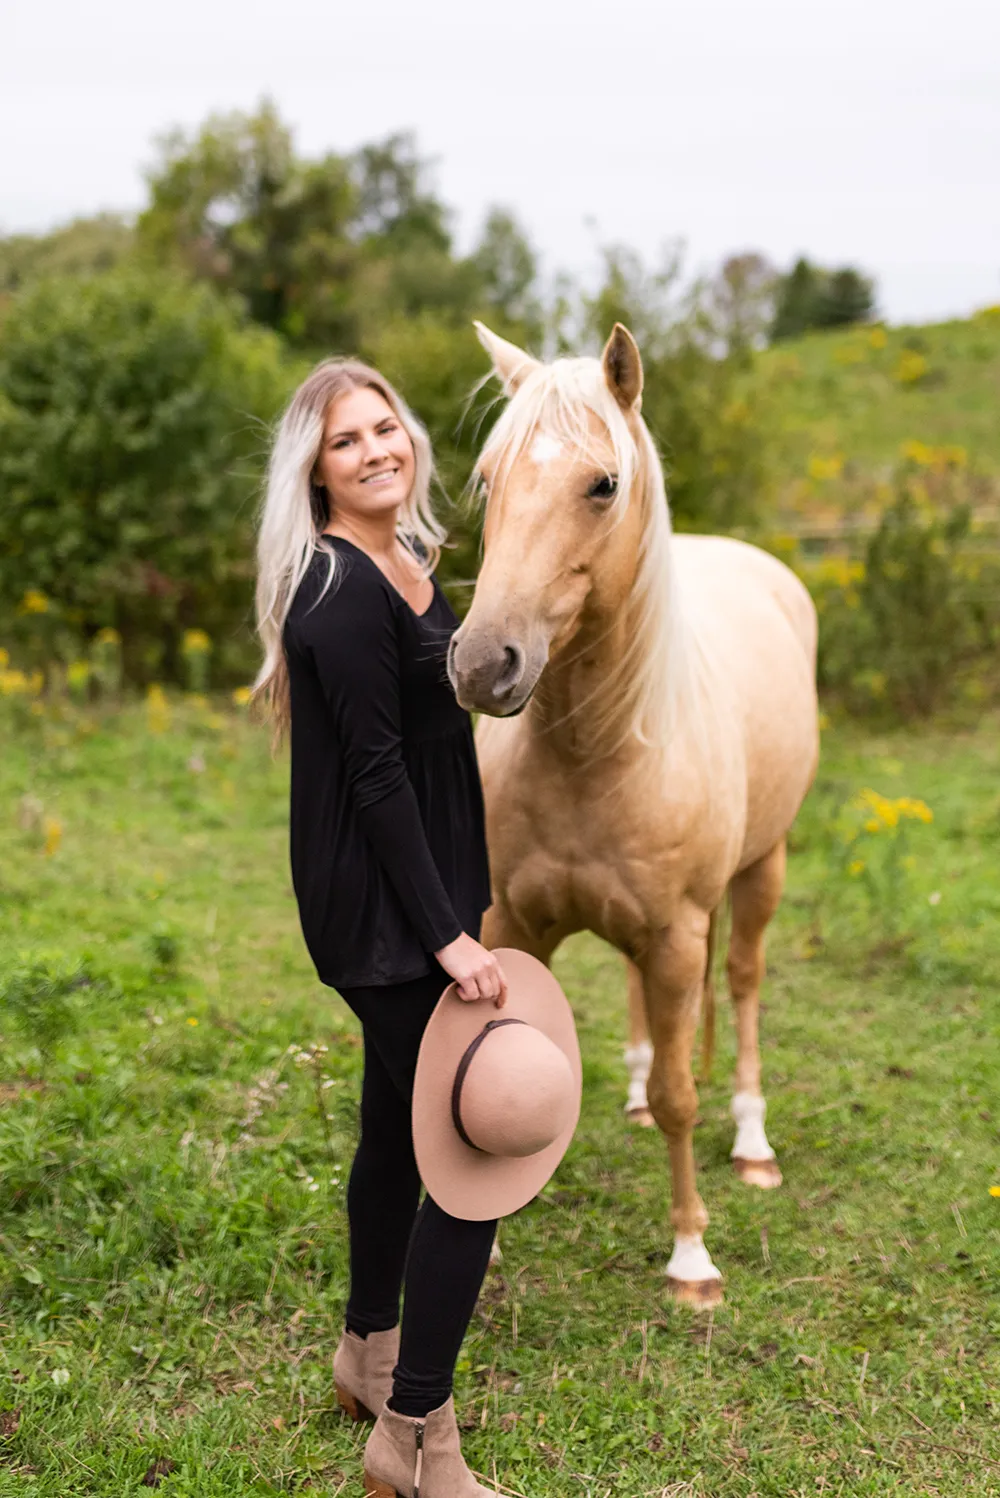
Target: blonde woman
point(389, 867)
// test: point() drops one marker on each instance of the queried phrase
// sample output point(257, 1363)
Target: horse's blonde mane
point(654, 687)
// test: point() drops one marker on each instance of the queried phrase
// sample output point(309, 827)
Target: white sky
point(851, 130)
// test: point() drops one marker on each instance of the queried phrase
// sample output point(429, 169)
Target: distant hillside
point(845, 404)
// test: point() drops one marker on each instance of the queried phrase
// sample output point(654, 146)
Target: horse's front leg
point(673, 976)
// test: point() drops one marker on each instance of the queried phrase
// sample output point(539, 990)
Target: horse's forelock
point(555, 401)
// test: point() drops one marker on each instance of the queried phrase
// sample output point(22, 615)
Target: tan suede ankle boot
point(408, 1458)
point(362, 1371)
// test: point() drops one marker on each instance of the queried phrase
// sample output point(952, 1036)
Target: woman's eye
point(343, 442)
point(604, 488)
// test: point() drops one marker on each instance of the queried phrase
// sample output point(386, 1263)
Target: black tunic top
point(388, 842)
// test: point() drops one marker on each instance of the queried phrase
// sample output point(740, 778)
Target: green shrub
point(901, 630)
point(133, 417)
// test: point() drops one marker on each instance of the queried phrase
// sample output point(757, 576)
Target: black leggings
point(444, 1258)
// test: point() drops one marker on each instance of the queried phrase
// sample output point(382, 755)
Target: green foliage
point(326, 251)
point(508, 274)
point(709, 423)
point(40, 1003)
point(234, 206)
point(134, 410)
point(165, 948)
point(898, 630)
point(83, 247)
point(845, 392)
point(810, 297)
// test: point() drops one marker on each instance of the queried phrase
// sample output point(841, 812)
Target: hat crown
point(517, 1093)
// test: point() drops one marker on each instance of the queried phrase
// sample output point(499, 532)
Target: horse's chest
point(550, 893)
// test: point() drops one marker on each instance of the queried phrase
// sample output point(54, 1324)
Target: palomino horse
point(651, 730)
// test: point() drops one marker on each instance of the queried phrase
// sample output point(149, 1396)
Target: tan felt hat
point(497, 1093)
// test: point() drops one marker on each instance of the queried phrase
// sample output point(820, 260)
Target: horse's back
point(739, 573)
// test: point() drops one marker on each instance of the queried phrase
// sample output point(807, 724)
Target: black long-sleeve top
point(388, 842)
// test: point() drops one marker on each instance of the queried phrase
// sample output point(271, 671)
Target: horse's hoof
point(700, 1293)
point(640, 1117)
point(763, 1173)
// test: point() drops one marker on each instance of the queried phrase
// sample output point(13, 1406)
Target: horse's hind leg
point(638, 1052)
point(756, 893)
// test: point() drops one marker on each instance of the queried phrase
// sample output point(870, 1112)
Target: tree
point(810, 297)
point(508, 273)
point(233, 205)
point(696, 399)
point(134, 409)
point(79, 248)
point(742, 301)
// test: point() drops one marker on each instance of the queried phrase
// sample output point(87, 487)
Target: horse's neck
point(578, 703)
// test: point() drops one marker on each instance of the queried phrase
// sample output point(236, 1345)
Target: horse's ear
point(622, 366)
point(511, 363)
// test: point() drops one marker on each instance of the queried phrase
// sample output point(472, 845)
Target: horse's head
point(561, 532)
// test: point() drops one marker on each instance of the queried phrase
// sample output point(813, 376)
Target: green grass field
point(861, 394)
point(172, 1237)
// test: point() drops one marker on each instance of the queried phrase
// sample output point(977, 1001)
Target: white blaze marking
point(544, 449)
point(690, 1260)
point(751, 1141)
point(638, 1059)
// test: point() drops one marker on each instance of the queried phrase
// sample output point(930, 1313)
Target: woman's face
point(366, 462)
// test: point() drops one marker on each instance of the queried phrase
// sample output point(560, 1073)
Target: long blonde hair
point(294, 513)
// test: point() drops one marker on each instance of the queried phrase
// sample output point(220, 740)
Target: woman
point(389, 864)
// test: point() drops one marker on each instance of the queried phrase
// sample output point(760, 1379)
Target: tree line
point(143, 363)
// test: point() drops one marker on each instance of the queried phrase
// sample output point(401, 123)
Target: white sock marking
point(638, 1059)
point(690, 1260)
point(751, 1141)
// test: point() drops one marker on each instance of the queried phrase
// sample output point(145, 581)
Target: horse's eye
point(604, 488)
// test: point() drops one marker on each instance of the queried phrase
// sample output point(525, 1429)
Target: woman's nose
point(375, 449)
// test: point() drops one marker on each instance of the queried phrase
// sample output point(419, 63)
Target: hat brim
point(466, 1182)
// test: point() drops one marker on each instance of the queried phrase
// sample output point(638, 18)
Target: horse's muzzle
point(490, 675)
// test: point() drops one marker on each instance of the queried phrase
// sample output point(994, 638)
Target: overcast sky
point(850, 130)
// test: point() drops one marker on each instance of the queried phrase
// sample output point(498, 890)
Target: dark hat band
point(463, 1067)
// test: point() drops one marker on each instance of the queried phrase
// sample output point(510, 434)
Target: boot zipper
point(420, 1461)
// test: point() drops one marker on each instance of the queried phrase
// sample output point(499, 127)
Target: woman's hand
point(475, 969)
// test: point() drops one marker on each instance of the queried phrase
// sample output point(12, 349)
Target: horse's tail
point(708, 994)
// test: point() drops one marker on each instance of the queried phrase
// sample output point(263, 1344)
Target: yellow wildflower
point(918, 452)
point(877, 338)
point(157, 709)
point(856, 867)
point(911, 367)
point(191, 1020)
point(33, 602)
point(995, 1191)
point(107, 637)
point(241, 696)
point(821, 468)
point(53, 835)
point(195, 642)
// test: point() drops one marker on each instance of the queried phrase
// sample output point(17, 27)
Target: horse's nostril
point(511, 673)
